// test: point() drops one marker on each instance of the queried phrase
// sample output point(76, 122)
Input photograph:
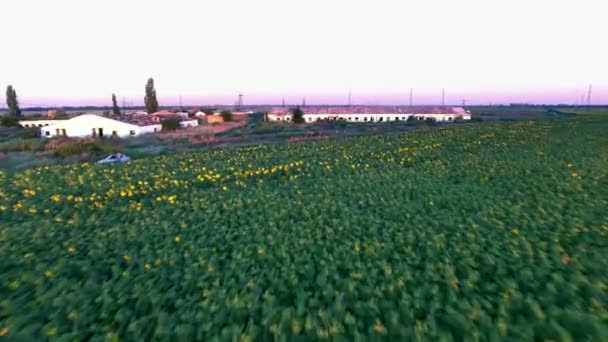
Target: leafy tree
point(226, 115)
point(12, 102)
point(115, 108)
point(150, 100)
point(170, 124)
point(30, 133)
point(297, 115)
point(9, 121)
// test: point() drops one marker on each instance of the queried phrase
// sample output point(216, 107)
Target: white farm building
point(372, 113)
point(87, 125)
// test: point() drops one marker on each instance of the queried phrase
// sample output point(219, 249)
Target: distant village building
point(212, 119)
point(164, 113)
point(53, 113)
point(183, 117)
point(191, 122)
point(87, 125)
point(372, 113)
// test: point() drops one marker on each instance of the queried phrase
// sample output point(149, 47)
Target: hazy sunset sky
point(64, 52)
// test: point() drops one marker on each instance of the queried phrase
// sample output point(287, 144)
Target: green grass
point(491, 231)
point(585, 111)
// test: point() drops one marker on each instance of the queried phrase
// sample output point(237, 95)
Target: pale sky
point(64, 52)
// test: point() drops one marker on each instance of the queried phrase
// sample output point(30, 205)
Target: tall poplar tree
point(115, 108)
point(11, 102)
point(150, 100)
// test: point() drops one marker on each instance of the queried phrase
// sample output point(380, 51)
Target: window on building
point(381, 119)
point(278, 119)
point(39, 125)
point(47, 133)
point(132, 132)
point(356, 118)
point(450, 118)
point(403, 118)
point(396, 118)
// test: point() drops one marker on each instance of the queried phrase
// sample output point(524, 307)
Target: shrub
point(298, 116)
point(77, 147)
point(226, 115)
point(9, 121)
point(21, 144)
point(430, 121)
point(31, 132)
point(170, 124)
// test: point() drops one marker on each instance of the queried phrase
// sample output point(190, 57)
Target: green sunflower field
point(466, 232)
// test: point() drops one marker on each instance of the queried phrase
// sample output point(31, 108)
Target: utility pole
point(304, 101)
point(349, 98)
point(443, 97)
point(283, 103)
point(464, 103)
point(411, 96)
point(180, 102)
point(589, 96)
point(239, 102)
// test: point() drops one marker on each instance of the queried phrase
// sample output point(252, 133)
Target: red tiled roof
point(136, 119)
point(163, 112)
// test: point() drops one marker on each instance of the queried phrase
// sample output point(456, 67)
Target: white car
point(114, 158)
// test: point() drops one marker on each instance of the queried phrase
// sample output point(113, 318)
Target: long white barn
point(371, 113)
point(86, 125)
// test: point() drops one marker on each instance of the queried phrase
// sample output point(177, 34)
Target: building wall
point(38, 123)
point(189, 123)
point(211, 119)
point(369, 117)
point(149, 129)
point(83, 125)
